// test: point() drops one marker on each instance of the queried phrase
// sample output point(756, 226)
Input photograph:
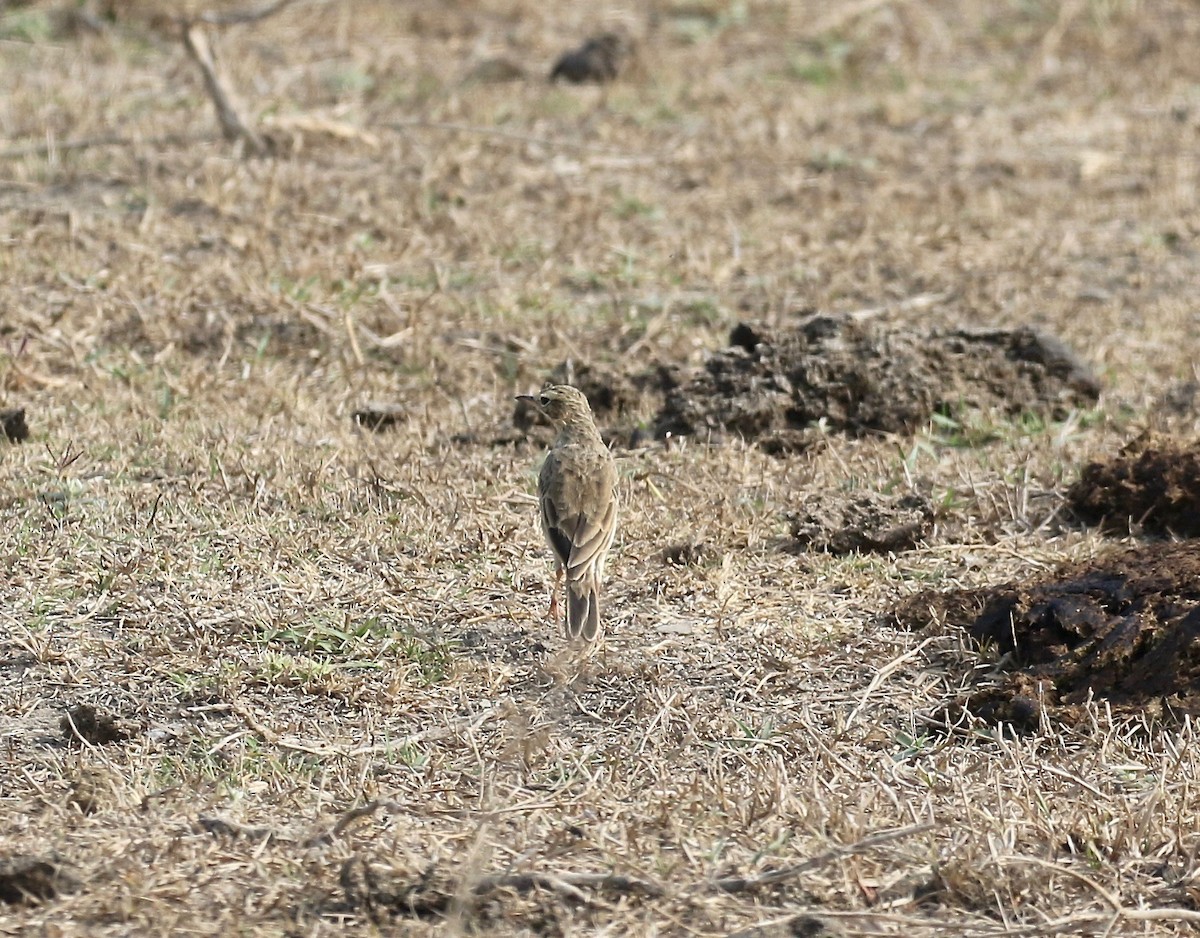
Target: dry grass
point(327, 648)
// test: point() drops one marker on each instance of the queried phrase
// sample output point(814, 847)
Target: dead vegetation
point(264, 669)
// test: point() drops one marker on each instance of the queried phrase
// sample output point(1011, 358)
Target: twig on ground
point(233, 127)
point(354, 814)
point(919, 301)
point(1119, 910)
point(882, 675)
point(314, 124)
point(571, 885)
point(223, 827)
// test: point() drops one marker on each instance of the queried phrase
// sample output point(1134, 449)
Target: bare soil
point(1122, 629)
point(860, 377)
point(26, 880)
point(1151, 485)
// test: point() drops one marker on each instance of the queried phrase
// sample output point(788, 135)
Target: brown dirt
point(386, 891)
point(1150, 485)
point(13, 426)
point(859, 377)
point(599, 59)
point(865, 521)
point(378, 416)
point(1121, 628)
point(26, 880)
point(84, 722)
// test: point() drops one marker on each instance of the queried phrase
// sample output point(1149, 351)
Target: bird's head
point(562, 403)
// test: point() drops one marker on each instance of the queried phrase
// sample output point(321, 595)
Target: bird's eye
point(545, 401)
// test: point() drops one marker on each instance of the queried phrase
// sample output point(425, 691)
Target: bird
point(577, 497)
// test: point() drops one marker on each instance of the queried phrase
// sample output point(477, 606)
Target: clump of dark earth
point(385, 890)
point(859, 377)
point(26, 880)
point(378, 417)
point(867, 522)
point(84, 722)
point(803, 925)
point(600, 59)
point(380, 893)
point(686, 554)
point(1122, 628)
point(1152, 486)
point(13, 426)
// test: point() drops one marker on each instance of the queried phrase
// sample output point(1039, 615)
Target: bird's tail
point(583, 614)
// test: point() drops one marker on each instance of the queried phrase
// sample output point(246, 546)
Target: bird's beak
point(527, 397)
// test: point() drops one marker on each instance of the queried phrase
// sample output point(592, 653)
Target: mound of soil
point(866, 521)
point(26, 880)
point(378, 416)
point(13, 426)
point(1122, 628)
point(83, 723)
point(868, 376)
point(1154, 486)
point(599, 59)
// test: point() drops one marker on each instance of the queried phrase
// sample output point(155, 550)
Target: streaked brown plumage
point(578, 500)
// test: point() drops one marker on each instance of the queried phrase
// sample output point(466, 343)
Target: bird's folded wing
point(590, 538)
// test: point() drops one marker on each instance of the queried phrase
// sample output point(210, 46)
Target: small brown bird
point(578, 499)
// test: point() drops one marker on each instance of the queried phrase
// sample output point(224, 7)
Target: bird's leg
point(553, 614)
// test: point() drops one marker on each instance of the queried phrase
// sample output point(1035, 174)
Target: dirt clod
point(599, 59)
point(1122, 628)
point(379, 893)
point(1154, 486)
point(686, 554)
point(799, 926)
point(84, 722)
point(26, 880)
point(378, 417)
point(814, 926)
point(861, 377)
point(865, 521)
point(12, 424)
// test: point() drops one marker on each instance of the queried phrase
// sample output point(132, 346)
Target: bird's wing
point(590, 537)
point(585, 534)
point(560, 540)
